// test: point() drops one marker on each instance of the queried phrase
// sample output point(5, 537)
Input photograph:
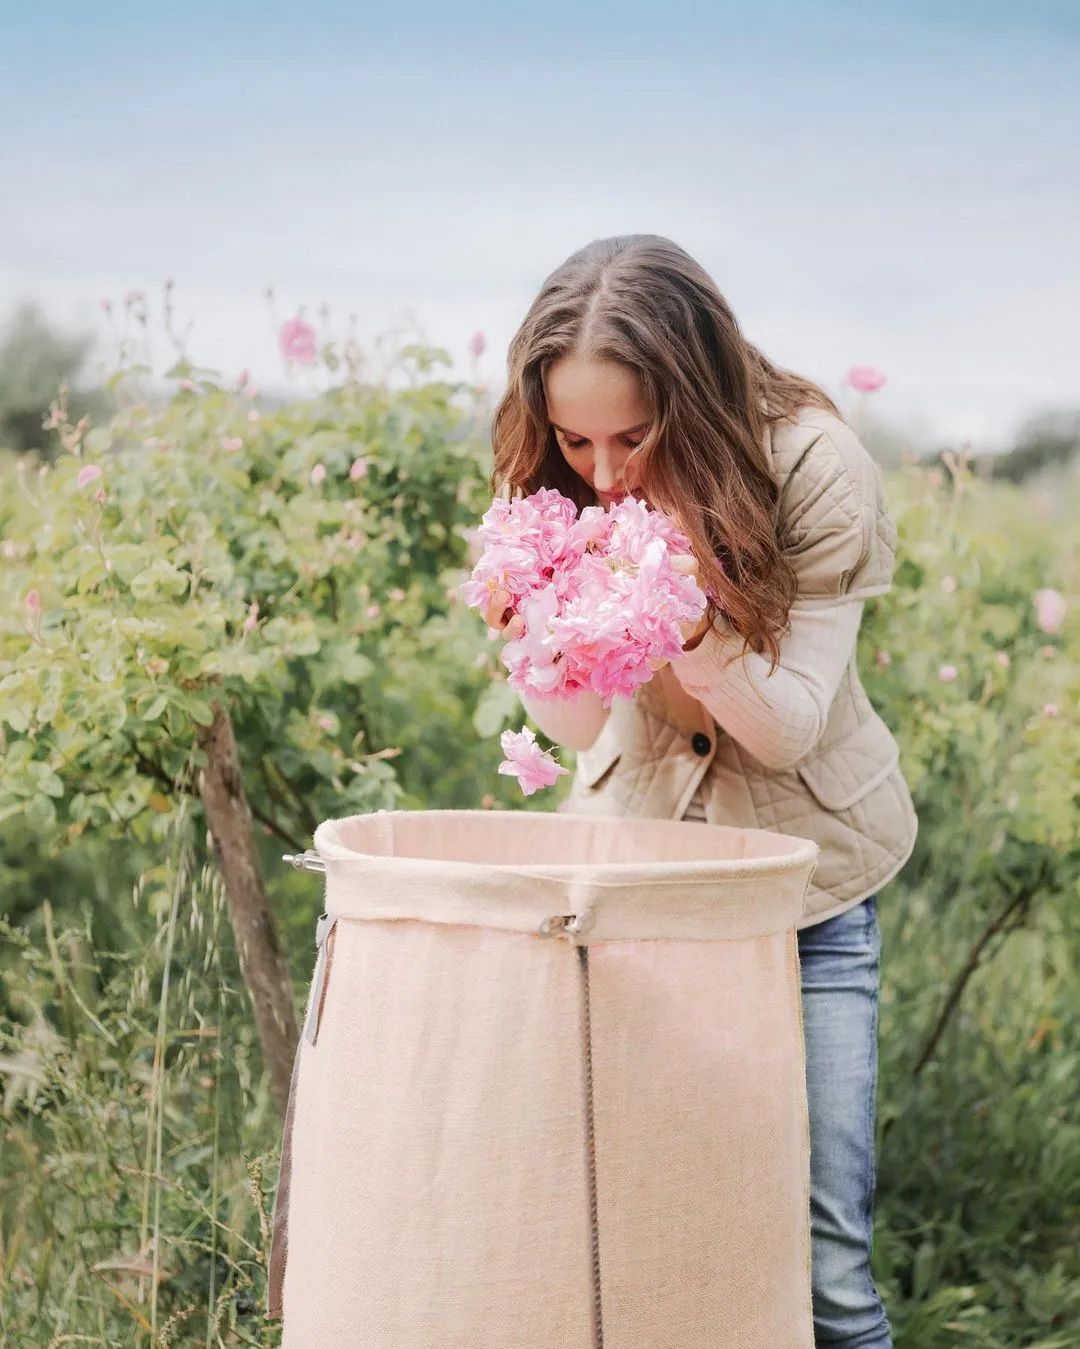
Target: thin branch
point(1018, 905)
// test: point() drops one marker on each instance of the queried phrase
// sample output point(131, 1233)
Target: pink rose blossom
point(134, 297)
point(477, 344)
point(88, 473)
point(107, 306)
point(187, 386)
point(297, 342)
point(487, 801)
point(1003, 659)
point(318, 474)
point(397, 594)
point(358, 469)
point(254, 415)
point(864, 378)
point(232, 443)
point(356, 541)
point(883, 658)
point(1050, 608)
point(373, 610)
point(1050, 710)
point(947, 673)
point(948, 584)
point(600, 600)
point(251, 622)
point(325, 723)
point(526, 761)
point(33, 602)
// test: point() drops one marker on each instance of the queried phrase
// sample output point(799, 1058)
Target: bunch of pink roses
point(600, 602)
point(600, 599)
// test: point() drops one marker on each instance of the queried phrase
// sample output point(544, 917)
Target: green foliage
point(1049, 440)
point(321, 611)
point(34, 362)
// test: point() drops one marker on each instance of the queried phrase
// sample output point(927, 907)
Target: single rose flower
point(1050, 609)
point(297, 342)
point(864, 378)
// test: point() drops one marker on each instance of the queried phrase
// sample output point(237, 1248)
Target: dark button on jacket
point(701, 744)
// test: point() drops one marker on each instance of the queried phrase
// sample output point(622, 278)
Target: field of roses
point(225, 619)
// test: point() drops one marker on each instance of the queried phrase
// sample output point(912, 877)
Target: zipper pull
point(323, 928)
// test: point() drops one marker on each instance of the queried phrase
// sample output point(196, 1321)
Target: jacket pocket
point(850, 769)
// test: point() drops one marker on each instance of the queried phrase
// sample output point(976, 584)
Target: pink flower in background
point(487, 801)
point(244, 378)
point(883, 658)
point(187, 386)
point(88, 473)
point(297, 342)
point(948, 584)
point(107, 306)
point(1050, 609)
point(397, 594)
point(373, 611)
point(33, 602)
point(318, 474)
point(864, 378)
point(358, 470)
point(325, 723)
point(478, 344)
point(251, 622)
point(254, 415)
point(947, 673)
point(1050, 710)
point(232, 443)
point(134, 297)
point(1003, 659)
point(525, 760)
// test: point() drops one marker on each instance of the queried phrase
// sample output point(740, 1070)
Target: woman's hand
point(692, 632)
point(498, 615)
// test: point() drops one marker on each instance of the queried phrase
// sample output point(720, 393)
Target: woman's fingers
point(495, 615)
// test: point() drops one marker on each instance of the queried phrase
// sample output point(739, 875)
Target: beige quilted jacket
point(848, 794)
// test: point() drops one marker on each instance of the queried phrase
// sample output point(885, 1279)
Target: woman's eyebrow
point(628, 432)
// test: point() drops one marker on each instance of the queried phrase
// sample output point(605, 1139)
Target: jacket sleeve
point(834, 522)
point(573, 722)
point(780, 717)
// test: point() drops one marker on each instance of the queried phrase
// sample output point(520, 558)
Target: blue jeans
point(840, 969)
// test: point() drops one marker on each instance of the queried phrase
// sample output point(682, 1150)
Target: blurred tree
point(1048, 440)
point(35, 360)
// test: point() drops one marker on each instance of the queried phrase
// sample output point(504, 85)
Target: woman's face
point(599, 415)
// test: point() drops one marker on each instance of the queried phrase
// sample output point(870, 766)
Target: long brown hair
point(642, 301)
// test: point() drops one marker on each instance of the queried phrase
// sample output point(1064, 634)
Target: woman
point(629, 375)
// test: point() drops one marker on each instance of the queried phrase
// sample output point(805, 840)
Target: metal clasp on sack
point(305, 861)
point(323, 928)
point(567, 925)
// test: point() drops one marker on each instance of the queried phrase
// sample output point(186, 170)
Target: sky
point(894, 185)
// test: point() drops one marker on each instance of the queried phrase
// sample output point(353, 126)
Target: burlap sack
point(551, 1092)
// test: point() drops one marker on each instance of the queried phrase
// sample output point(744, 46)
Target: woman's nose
point(607, 472)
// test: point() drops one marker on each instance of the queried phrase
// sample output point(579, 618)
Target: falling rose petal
point(525, 760)
point(88, 474)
